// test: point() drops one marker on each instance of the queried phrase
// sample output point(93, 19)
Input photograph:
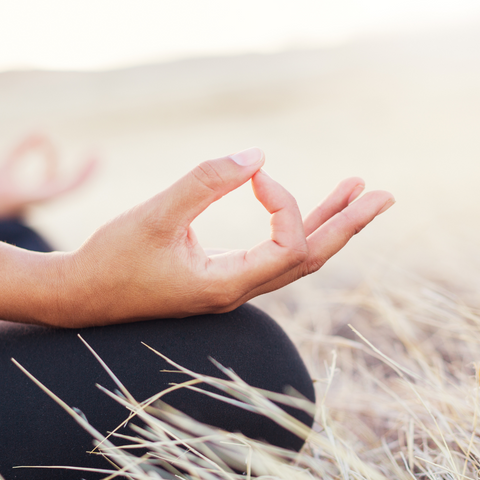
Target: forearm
point(30, 285)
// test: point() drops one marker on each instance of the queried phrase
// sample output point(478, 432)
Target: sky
point(104, 34)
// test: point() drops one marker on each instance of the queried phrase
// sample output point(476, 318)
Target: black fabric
point(34, 430)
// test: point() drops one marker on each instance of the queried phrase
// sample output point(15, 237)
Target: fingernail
point(356, 192)
point(387, 205)
point(265, 173)
point(248, 157)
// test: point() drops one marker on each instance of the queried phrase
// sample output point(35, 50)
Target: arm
point(29, 285)
point(147, 263)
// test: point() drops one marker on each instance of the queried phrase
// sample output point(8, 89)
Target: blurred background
point(388, 90)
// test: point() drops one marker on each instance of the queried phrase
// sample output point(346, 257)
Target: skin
point(13, 200)
point(147, 263)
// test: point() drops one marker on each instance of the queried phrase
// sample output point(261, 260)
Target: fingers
point(345, 193)
point(15, 197)
point(287, 246)
point(334, 234)
point(33, 141)
point(205, 184)
point(329, 239)
point(85, 172)
point(288, 255)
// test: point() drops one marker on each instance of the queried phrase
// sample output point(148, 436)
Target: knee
point(255, 347)
point(265, 354)
point(246, 340)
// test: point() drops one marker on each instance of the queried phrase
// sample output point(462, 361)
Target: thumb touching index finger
point(207, 182)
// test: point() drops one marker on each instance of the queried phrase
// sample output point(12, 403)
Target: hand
point(13, 199)
point(147, 262)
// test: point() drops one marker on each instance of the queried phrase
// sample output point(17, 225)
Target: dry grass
point(397, 387)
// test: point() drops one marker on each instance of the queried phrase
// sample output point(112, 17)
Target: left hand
point(14, 200)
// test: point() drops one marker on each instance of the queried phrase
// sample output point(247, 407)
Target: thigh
point(34, 430)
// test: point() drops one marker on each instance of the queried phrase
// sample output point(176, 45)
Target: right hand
point(147, 263)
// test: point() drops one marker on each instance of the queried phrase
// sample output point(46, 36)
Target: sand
point(403, 112)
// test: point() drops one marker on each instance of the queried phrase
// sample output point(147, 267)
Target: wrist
point(43, 288)
point(48, 280)
point(70, 298)
point(81, 298)
point(56, 306)
point(29, 285)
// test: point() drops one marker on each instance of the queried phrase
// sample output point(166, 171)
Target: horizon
point(396, 38)
point(91, 36)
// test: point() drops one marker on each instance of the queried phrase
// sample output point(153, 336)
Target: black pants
point(34, 430)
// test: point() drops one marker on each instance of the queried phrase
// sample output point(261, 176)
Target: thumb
point(208, 182)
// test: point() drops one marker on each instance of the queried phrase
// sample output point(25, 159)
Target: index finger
point(331, 238)
point(287, 246)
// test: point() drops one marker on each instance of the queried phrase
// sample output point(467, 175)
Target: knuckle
point(350, 226)
point(313, 266)
point(208, 175)
point(297, 254)
point(291, 201)
point(286, 201)
point(219, 296)
point(223, 299)
point(301, 253)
